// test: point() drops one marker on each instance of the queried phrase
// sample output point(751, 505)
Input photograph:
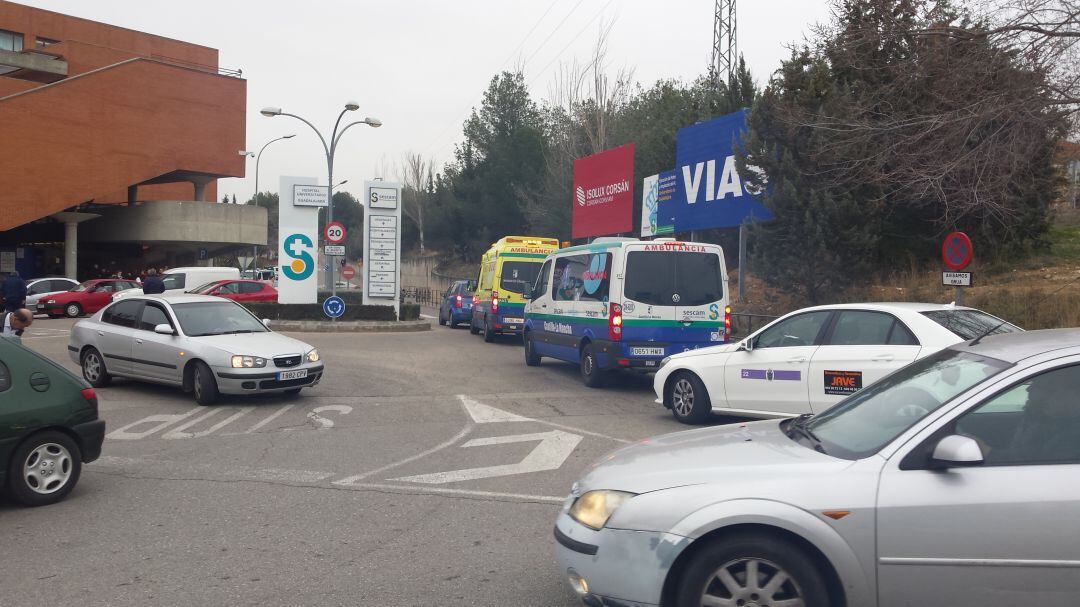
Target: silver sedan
point(202, 344)
point(952, 481)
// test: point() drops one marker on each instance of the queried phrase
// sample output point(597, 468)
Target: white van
point(626, 303)
point(181, 280)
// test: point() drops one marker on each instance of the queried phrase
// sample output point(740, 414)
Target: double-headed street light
point(330, 149)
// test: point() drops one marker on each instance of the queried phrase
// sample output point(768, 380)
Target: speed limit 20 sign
point(335, 232)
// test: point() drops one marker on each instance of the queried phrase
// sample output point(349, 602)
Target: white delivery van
point(626, 303)
point(182, 280)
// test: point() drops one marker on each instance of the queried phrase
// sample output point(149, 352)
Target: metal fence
point(424, 296)
point(743, 323)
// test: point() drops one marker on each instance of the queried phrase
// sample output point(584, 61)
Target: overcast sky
point(420, 65)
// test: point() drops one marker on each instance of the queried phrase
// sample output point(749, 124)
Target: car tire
point(591, 374)
point(532, 359)
point(690, 402)
point(44, 469)
point(741, 554)
point(206, 390)
point(73, 310)
point(472, 327)
point(489, 334)
point(442, 323)
point(93, 368)
point(450, 322)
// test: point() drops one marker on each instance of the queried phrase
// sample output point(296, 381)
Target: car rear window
point(656, 277)
point(969, 324)
point(174, 281)
point(516, 275)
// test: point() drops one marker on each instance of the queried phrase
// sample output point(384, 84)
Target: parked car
point(199, 343)
point(42, 288)
point(243, 291)
point(180, 280)
point(456, 303)
point(86, 298)
point(49, 426)
point(949, 482)
point(812, 358)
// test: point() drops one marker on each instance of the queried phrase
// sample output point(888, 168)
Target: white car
point(812, 358)
point(186, 280)
point(202, 344)
point(41, 287)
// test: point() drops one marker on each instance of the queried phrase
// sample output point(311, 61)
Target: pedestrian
point(16, 322)
point(14, 291)
point(153, 284)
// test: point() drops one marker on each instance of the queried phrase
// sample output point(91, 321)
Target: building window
point(43, 42)
point(10, 41)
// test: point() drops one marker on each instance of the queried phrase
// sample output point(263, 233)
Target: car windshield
point(969, 324)
point(202, 318)
point(867, 421)
point(516, 275)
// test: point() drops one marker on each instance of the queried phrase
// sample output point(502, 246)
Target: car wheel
point(450, 319)
point(206, 390)
point(93, 369)
point(690, 403)
point(44, 469)
point(472, 327)
point(441, 321)
point(752, 570)
point(591, 373)
point(73, 310)
point(531, 358)
point(489, 334)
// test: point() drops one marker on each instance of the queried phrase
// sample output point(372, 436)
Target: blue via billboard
point(709, 192)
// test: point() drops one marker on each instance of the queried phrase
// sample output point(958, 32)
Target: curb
point(354, 326)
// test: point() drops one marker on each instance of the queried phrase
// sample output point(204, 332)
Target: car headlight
point(248, 362)
point(666, 360)
point(313, 356)
point(595, 507)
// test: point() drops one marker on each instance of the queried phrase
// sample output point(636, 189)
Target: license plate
point(298, 374)
point(647, 351)
point(513, 320)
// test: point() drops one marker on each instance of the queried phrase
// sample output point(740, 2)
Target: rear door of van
point(673, 298)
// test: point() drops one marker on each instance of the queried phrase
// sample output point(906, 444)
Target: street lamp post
point(330, 149)
point(255, 199)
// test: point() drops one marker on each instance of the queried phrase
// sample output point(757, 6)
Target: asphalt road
point(426, 469)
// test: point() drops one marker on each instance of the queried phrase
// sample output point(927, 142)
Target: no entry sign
point(956, 251)
point(335, 232)
point(348, 273)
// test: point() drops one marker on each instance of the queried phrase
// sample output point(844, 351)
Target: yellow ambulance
point(506, 270)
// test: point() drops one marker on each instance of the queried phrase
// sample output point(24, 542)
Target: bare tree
point(418, 182)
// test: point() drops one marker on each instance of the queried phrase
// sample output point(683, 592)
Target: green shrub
point(410, 311)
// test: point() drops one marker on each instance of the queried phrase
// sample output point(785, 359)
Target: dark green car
point(49, 426)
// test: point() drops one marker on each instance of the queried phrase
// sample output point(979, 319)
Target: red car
point(242, 291)
point(87, 298)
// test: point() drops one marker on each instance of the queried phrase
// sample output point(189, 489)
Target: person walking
point(153, 285)
point(14, 290)
point(15, 322)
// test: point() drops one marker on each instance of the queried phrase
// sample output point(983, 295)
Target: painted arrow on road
point(555, 446)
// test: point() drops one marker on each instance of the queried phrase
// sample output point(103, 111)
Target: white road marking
point(458, 492)
point(427, 317)
point(178, 432)
point(485, 414)
point(555, 446)
point(460, 435)
point(314, 416)
point(125, 433)
point(269, 418)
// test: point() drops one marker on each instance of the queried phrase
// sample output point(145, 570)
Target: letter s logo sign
point(374, 197)
point(714, 312)
point(297, 247)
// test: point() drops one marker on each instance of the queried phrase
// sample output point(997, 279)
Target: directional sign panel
point(382, 243)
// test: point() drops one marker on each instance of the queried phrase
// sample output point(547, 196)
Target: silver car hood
point(266, 345)
point(750, 452)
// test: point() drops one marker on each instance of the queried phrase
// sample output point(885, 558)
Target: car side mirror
point(471, 286)
point(957, 451)
point(164, 329)
point(266, 322)
point(746, 346)
point(527, 293)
